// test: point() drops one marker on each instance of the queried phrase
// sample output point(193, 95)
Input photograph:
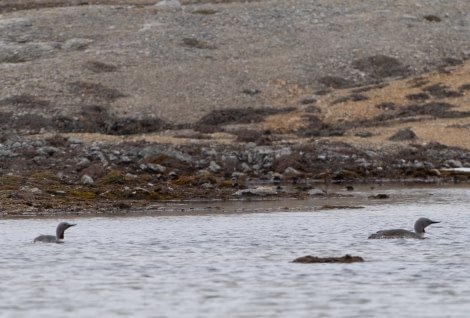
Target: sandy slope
point(133, 60)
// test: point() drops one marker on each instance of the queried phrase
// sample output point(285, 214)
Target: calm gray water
point(238, 264)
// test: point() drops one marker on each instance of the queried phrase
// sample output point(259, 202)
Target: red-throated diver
point(59, 234)
point(420, 225)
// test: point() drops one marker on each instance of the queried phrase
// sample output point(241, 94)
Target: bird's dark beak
point(432, 222)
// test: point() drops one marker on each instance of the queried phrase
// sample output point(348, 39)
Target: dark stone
point(251, 91)
point(404, 134)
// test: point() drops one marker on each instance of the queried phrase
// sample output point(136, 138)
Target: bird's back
point(396, 233)
point(46, 239)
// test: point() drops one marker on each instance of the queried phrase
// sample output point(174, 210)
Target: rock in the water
point(313, 259)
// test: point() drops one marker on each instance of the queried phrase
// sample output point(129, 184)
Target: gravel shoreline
point(114, 107)
point(156, 63)
point(61, 175)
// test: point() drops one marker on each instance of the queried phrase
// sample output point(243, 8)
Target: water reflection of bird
point(420, 225)
point(55, 238)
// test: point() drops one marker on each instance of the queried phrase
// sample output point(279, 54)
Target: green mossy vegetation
point(84, 194)
point(10, 181)
point(45, 175)
point(113, 177)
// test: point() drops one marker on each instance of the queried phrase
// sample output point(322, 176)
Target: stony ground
point(113, 105)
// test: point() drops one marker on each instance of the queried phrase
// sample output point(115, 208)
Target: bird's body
point(59, 234)
point(46, 239)
point(419, 227)
point(395, 233)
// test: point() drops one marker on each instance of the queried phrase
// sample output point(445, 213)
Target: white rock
point(36, 191)
point(84, 162)
point(257, 191)
point(156, 167)
point(86, 179)
point(73, 140)
point(245, 167)
point(290, 170)
point(214, 167)
point(453, 163)
point(315, 192)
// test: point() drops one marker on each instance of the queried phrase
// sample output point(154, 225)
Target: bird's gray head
point(61, 229)
point(422, 223)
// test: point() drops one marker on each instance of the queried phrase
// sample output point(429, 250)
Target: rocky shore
point(67, 175)
point(110, 107)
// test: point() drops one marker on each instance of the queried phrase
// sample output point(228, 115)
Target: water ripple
point(239, 265)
